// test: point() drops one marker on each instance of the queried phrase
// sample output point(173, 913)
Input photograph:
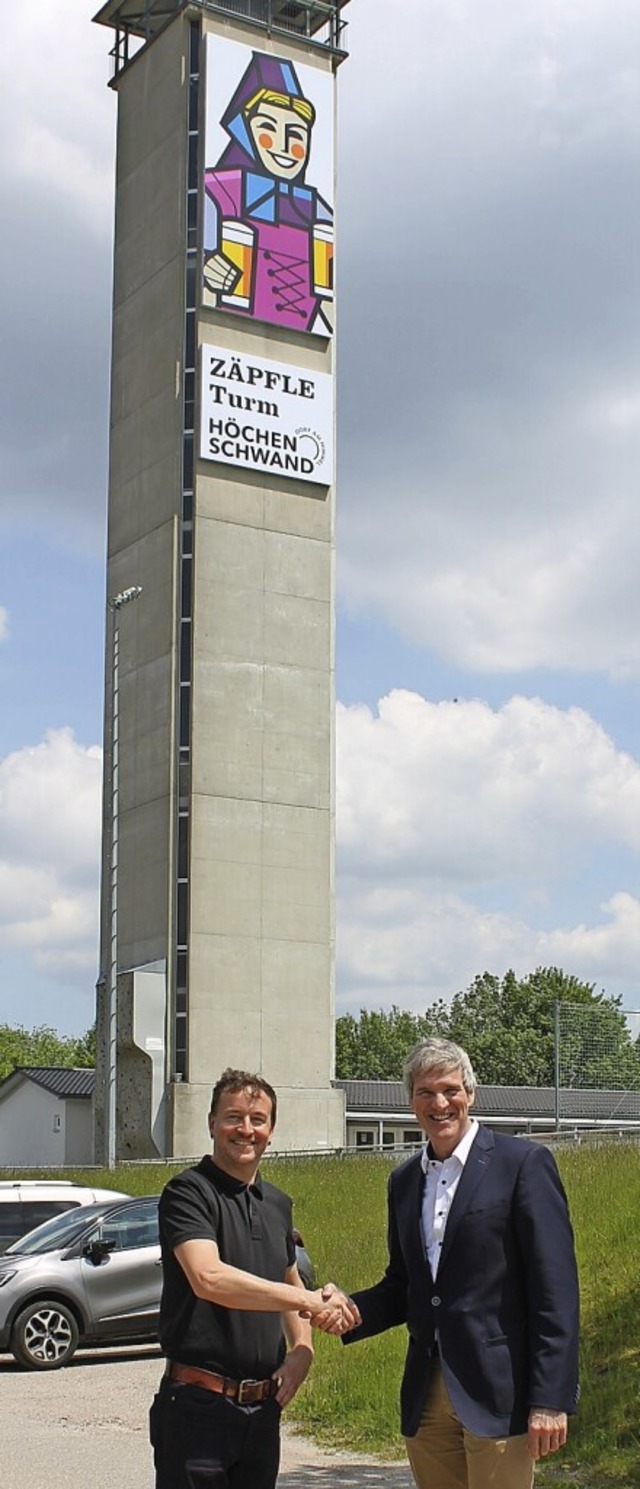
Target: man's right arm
point(216, 1281)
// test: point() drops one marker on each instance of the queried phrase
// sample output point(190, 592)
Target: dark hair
point(241, 1080)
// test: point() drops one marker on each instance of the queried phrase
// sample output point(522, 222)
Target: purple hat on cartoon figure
point(264, 75)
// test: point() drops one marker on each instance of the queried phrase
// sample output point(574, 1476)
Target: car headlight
point(6, 1276)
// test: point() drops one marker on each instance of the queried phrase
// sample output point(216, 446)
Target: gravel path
point(86, 1425)
point(304, 1466)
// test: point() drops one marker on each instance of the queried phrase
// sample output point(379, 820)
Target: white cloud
point(50, 837)
point(415, 947)
point(57, 126)
point(460, 830)
point(621, 408)
point(4, 623)
point(490, 405)
point(465, 794)
point(606, 952)
point(498, 590)
point(57, 116)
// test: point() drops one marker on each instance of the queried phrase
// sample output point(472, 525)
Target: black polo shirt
point(251, 1225)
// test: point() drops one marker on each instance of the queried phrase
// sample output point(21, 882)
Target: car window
point(18, 1217)
point(59, 1231)
point(124, 1232)
point(10, 1223)
point(36, 1211)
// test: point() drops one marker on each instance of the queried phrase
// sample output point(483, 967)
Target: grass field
point(351, 1397)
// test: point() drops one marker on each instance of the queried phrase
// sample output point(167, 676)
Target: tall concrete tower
point(219, 802)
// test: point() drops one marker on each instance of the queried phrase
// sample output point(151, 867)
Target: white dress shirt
point(441, 1181)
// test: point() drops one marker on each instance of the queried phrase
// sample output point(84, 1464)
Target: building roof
point(59, 1080)
point(383, 1096)
point(380, 1098)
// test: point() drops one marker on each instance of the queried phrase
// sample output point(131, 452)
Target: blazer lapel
point(409, 1214)
point(475, 1168)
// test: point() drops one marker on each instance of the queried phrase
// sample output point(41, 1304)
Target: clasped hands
point(331, 1310)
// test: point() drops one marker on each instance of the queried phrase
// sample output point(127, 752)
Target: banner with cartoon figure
point(268, 182)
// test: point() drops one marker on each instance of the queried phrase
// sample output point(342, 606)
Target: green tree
point(84, 1052)
point(507, 1026)
point(374, 1046)
point(43, 1046)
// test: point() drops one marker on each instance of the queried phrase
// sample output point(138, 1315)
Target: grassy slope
point(352, 1394)
point(603, 1185)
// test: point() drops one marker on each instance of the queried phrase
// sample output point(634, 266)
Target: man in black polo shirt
point(231, 1304)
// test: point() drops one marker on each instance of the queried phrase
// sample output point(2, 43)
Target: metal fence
point(597, 1066)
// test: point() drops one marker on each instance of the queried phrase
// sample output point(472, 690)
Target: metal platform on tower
point(318, 22)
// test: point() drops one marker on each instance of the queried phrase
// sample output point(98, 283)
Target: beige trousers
point(443, 1455)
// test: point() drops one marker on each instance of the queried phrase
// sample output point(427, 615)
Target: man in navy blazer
point(482, 1271)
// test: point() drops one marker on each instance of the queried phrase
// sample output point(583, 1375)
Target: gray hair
point(438, 1054)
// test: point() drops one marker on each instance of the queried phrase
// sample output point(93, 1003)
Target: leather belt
point(245, 1392)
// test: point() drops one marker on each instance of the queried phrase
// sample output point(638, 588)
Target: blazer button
point(436, 1302)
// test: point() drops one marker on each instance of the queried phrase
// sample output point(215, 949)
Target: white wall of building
point(32, 1127)
point(38, 1129)
point(79, 1132)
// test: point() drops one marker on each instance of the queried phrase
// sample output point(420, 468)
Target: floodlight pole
point(556, 1060)
point(115, 604)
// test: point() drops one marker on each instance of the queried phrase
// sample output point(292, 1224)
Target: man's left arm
point(298, 1359)
point(547, 1248)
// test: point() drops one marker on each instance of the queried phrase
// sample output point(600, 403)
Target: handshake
point(331, 1310)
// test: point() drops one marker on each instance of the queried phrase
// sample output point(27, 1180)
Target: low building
point(377, 1114)
point(46, 1114)
point(46, 1117)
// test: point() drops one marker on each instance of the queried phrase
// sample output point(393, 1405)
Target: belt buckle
point(244, 1386)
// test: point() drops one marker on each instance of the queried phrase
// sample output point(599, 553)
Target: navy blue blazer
point(505, 1300)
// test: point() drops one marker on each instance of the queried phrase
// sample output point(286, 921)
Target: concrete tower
point(218, 861)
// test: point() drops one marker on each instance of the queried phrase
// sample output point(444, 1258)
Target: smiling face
point(281, 139)
point(441, 1105)
point(241, 1127)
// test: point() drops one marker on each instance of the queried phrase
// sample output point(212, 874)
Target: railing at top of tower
point(317, 22)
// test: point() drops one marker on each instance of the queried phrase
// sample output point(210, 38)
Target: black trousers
point(203, 1441)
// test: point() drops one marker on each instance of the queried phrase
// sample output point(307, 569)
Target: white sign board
point(266, 416)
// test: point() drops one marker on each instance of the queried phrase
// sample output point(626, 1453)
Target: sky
point(488, 654)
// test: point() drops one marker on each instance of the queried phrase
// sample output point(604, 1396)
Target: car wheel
point(45, 1336)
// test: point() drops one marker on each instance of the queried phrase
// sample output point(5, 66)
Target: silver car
point(90, 1276)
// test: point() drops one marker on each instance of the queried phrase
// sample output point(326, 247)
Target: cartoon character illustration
point(268, 236)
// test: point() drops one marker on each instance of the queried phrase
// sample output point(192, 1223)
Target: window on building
point(412, 1135)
